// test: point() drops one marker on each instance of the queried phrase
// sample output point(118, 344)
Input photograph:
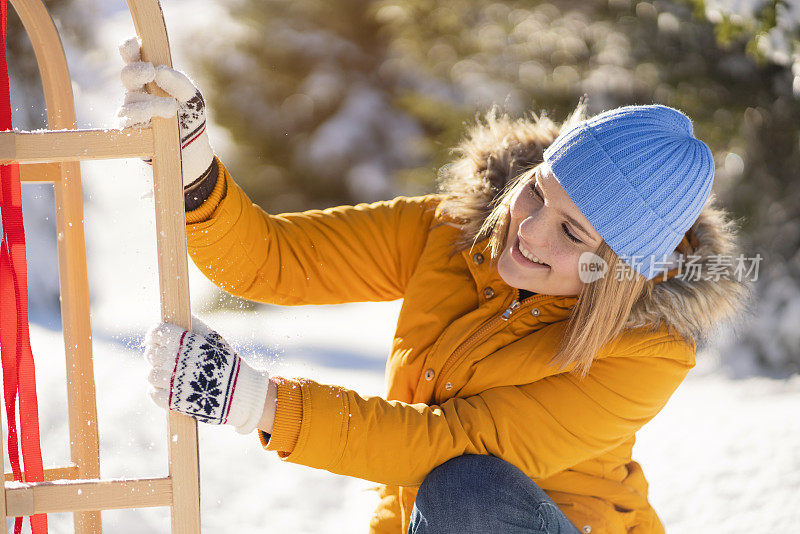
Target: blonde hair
point(603, 306)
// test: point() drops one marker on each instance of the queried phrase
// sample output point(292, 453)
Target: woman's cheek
point(571, 267)
point(566, 263)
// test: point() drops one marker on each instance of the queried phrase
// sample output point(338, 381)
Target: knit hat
point(639, 176)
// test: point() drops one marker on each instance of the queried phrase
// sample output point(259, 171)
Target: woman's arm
point(542, 428)
point(356, 253)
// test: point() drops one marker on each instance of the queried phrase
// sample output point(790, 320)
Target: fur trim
point(697, 306)
point(499, 148)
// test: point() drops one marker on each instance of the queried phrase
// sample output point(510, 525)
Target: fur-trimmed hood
point(499, 148)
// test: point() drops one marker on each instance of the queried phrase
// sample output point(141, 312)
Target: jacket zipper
point(482, 333)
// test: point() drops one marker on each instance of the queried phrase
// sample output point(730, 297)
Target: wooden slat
point(47, 146)
point(50, 497)
point(173, 268)
point(84, 440)
point(40, 172)
point(72, 268)
point(55, 473)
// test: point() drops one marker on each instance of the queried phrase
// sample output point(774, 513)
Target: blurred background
point(327, 103)
point(314, 104)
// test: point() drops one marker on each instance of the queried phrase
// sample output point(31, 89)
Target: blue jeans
point(484, 494)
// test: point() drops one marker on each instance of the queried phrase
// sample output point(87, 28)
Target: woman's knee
point(474, 473)
point(481, 493)
point(468, 493)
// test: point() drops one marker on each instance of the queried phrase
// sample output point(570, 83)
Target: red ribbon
point(18, 370)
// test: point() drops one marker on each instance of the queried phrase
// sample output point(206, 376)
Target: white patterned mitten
point(197, 373)
point(185, 99)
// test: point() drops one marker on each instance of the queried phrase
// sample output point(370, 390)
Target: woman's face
point(546, 224)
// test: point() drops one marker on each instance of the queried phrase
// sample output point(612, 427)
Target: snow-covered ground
point(721, 457)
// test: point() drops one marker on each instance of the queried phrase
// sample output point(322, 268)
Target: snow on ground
point(244, 488)
point(721, 456)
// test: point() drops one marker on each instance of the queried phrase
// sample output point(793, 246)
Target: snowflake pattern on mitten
point(204, 377)
point(192, 117)
point(191, 120)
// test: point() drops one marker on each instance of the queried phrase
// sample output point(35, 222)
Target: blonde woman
point(545, 317)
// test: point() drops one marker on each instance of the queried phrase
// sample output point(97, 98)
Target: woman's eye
point(535, 192)
point(564, 226)
point(566, 231)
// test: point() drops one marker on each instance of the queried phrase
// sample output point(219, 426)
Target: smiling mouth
point(516, 252)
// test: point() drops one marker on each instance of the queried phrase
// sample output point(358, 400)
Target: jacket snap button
point(535, 312)
point(587, 529)
point(478, 258)
point(449, 385)
point(488, 292)
point(429, 374)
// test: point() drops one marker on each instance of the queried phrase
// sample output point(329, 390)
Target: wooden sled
point(52, 156)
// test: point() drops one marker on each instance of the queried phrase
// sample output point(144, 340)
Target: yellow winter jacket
point(466, 373)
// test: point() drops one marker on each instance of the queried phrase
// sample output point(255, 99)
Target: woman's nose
point(533, 231)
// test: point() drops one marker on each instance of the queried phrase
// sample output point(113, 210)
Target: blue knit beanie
point(639, 176)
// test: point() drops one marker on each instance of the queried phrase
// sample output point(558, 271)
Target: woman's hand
point(185, 99)
point(197, 373)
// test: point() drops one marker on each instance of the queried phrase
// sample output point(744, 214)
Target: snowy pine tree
point(344, 103)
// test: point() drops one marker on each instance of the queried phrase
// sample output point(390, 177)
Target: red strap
point(18, 368)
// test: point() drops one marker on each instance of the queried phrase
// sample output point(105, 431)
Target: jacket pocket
point(592, 515)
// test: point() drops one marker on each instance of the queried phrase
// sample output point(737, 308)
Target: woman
point(518, 377)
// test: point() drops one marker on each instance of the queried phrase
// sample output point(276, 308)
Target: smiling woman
point(541, 236)
point(478, 430)
point(533, 216)
point(555, 384)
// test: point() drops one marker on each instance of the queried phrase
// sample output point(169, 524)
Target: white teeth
point(529, 255)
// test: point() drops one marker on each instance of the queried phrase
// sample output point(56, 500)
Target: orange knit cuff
point(206, 210)
point(288, 417)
